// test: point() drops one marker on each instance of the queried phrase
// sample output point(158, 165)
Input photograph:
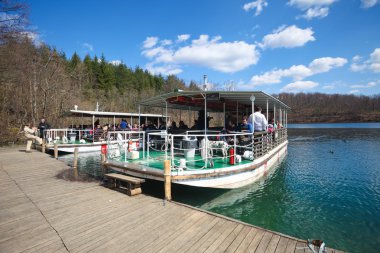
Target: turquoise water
point(328, 188)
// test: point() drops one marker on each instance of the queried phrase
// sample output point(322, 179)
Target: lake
point(328, 188)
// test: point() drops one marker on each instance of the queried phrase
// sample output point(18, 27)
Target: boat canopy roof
point(113, 114)
point(194, 100)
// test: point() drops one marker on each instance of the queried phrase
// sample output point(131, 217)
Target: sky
point(327, 46)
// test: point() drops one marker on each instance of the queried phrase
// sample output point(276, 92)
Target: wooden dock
point(41, 213)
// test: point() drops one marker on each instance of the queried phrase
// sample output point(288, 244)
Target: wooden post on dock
point(55, 150)
point(75, 163)
point(167, 180)
point(43, 146)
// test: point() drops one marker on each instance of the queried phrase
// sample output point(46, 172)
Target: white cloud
point(116, 62)
point(312, 8)
point(357, 67)
point(306, 4)
point(258, 5)
point(34, 37)
point(183, 37)
point(156, 52)
point(369, 3)
point(288, 37)
point(357, 58)
point(361, 86)
point(150, 42)
point(328, 87)
point(372, 64)
point(227, 57)
point(87, 47)
point(316, 12)
point(299, 86)
point(325, 64)
point(165, 70)
point(353, 91)
point(299, 72)
point(166, 42)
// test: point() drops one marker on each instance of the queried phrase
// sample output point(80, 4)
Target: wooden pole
point(103, 160)
point(43, 146)
point(167, 180)
point(75, 166)
point(55, 150)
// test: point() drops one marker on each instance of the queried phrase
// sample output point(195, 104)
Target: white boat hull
point(82, 148)
point(227, 178)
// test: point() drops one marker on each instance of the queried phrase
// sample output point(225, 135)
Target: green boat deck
point(156, 159)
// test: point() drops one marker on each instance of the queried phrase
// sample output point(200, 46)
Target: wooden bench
point(133, 183)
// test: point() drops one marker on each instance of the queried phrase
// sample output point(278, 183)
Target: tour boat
point(67, 139)
point(204, 156)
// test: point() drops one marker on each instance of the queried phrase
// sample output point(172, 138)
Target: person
point(123, 125)
point(30, 133)
point(201, 120)
point(258, 120)
point(42, 127)
point(244, 126)
point(182, 125)
point(98, 133)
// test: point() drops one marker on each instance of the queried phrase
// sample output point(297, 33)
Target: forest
point(40, 81)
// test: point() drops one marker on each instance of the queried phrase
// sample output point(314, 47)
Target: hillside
point(318, 107)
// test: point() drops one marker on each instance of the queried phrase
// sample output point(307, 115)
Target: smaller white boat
point(86, 139)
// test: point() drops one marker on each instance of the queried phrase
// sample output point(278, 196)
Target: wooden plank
point(170, 235)
point(301, 247)
point(165, 221)
point(199, 246)
point(256, 241)
point(181, 243)
point(125, 178)
point(281, 247)
point(238, 240)
point(219, 240)
point(247, 240)
point(95, 236)
point(291, 247)
point(229, 239)
point(272, 246)
point(158, 232)
point(264, 242)
point(83, 237)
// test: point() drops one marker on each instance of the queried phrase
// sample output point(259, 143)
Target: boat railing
point(182, 148)
point(193, 150)
point(67, 135)
point(120, 143)
point(201, 132)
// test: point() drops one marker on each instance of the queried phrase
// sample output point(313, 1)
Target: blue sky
point(328, 46)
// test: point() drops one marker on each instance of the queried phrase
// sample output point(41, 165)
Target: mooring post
point(75, 163)
point(43, 146)
point(56, 151)
point(167, 180)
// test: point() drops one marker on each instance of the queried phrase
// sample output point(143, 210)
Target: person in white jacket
point(30, 133)
point(258, 120)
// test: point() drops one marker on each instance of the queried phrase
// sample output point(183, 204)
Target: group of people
point(256, 122)
point(31, 133)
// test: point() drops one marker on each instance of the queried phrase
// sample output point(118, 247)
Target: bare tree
point(13, 19)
